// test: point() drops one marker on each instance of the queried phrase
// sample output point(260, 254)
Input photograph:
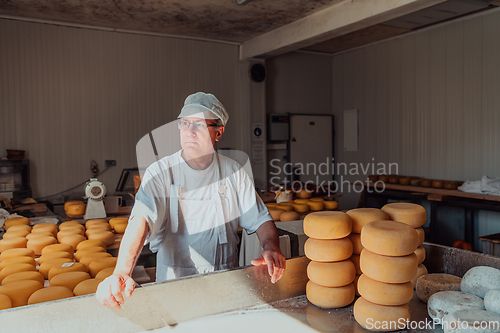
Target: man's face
point(198, 140)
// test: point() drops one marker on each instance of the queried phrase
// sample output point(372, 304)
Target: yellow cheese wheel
point(21, 276)
point(99, 264)
point(50, 294)
point(98, 228)
point(327, 225)
point(54, 255)
point(384, 293)
point(18, 227)
point(17, 260)
point(91, 243)
point(287, 208)
point(421, 236)
point(327, 250)
point(284, 217)
point(68, 232)
point(9, 222)
point(102, 226)
point(412, 214)
point(331, 274)
point(388, 269)
point(331, 204)
point(5, 302)
point(48, 264)
point(67, 203)
point(71, 225)
point(276, 213)
point(285, 203)
point(330, 297)
point(51, 227)
point(76, 209)
point(301, 207)
point(16, 233)
point(65, 268)
point(317, 199)
point(362, 216)
point(80, 253)
point(355, 260)
point(106, 236)
point(37, 234)
point(355, 282)
point(303, 194)
point(421, 270)
point(20, 291)
point(121, 227)
point(271, 205)
point(70, 279)
point(88, 258)
point(72, 240)
point(15, 268)
point(381, 318)
point(95, 221)
point(356, 243)
point(12, 243)
point(117, 219)
point(389, 238)
point(105, 273)
point(87, 287)
point(300, 201)
point(19, 252)
point(420, 252)
point(57, 248)
point(316, 205)
point(38, 243)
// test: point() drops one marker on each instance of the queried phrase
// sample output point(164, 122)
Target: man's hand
point(109, 292)
point(275, 261)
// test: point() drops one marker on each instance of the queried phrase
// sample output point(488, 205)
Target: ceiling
point(262, 28)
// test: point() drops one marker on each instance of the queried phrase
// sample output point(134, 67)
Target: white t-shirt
point(152, 199)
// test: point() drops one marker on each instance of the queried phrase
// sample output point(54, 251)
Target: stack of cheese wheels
point(102, 230)
point(73, 208)
point(361, 217)
point(415, 216)
point(15, 237)
point(331, 273)
point(388, 263)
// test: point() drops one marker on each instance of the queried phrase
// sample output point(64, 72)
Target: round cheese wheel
point(67, 203)
point(285, 203)
point(20, 291)
point(383, 178)
point(50, 294)
point(73, 240)
point(5, 302)
point(355, 282)
point(380, 318)
point(15, 268)
point(36, 234)
point(492, 301)
point(54, 255)
point(362, 216)
point(301, 207)
point(421, 235)
point(331, 204)
point(356, 243)
point(286, 208)
point(331, 274)
point(65, 268)
point(450, 185)
point(271, 205)
point(327, 225)
point(71, 225)
point(404, 181)
point(420, 252)
point(394, 179)
point(91, 243)
point(429, 284)
point(87, 287)
point(19, 227)
point(19, 252)
point(480, 279)
point(330, 297)
point(384, 293)
point(412, 214)
point(17, 260)
point(69, 232)
point(389, 238)
point(316, 205)
point(117, 219)
point(415, 182)
point(50, 227)
point(445, 302)
point(121, 227)
point(95, 221)
point(421, 270)
point(300, 201)
point(38, 243)
point(26, 275)
point(327, 250)
point(388, 269)
point(276, 213)
point(57, 248)
point(9, 222)
point(105, 273)
point(88, 258)
point(437, 183)
point(80, 253)
point(284, 217)
point(16, 233)
point(102, 226)
point(303, 194)
point(69, 280)
point(106, 236)
point(355, 260)
point(317, 199)
point(99, 264)
point(76, 209)
point(12, 243)
point(48, 264)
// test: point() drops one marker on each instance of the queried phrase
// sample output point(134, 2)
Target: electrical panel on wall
point(278, 127)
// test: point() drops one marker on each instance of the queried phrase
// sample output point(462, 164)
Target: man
point(189, 206)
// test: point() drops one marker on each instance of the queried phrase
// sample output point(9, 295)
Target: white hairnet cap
point(205, 104)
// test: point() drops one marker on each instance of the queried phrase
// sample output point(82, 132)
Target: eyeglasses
point(198, 126)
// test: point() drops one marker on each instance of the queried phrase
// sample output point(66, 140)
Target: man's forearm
point(131, 245)
point(268, 235)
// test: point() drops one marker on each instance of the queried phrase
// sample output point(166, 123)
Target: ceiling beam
point(339, 19)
